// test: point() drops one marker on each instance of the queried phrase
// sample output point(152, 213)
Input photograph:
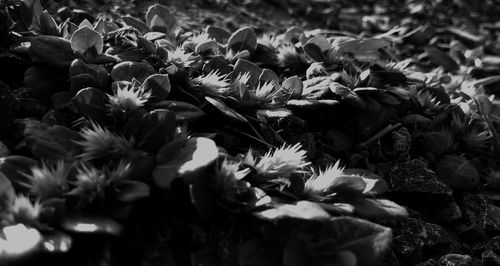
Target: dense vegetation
point(129, 140)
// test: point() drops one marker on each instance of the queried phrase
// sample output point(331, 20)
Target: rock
point(484, 214)
point(490, 258)
point(412, 183)
point(456, 260)
point(408, 246)
point(456, 172)
point(317, 88)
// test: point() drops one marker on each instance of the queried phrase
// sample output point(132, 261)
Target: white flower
point(48, 181)
point(127, 98)
point(180, 58)
point(90, 183)
point(99, 142)
point(24, 211)
point(214, 83)
point(281, 162)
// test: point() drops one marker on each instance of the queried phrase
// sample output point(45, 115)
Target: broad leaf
point(85, 39)
point(15, 167)
point(156, 128)
point(129, 70)
point(294, 86)
point(189, 162)
point(158, 85)
point(7, 195)
point(243, 39)
point(299, 210)
point(51, 49)
point(184, 112)
point(91, 102)
point(160, 17)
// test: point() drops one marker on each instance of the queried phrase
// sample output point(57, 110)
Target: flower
point(127, 98)
point(99, 142)
point(90, 183)
point(232, 191)
point(48, 181)
point(25, 212)
point(326, 184)
point(180, 58)
point(213, 83)
point(281, 162)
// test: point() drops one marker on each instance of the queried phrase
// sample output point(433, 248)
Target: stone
point(490, 258)
point(456, 260)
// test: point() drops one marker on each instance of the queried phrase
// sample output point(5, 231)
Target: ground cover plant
point(365, 135)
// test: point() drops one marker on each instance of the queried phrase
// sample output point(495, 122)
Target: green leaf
point(299, 210)
point(379, 209)
point(191, 161)
point(15, 167)
point(294, 86)
point(160, 17)
point(91, 225)
point(314, 52)
point(48, 25)
point(7, 195)
point(86, 38)
point(243, 39)
point(243, 66)
point(366, 50)
point(184, 112)
point(91, 103)
point(31, 11)
point(226, 110)
point(440, 58)
point(130, 191)
point(156, 128)
point(218, 34)
point(51, 49)
point(347, 95)
point(54, 143)
point(159, 85)
point(18, 243)
point(257, 252)
point(129, 70)
point(136, 24)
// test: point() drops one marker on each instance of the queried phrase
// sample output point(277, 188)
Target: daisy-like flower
point(281, 162)
point(269, 41)
point(191, 43)
point(127, 98)
point(289, 57)
point(213, 83)
point(90, 184)
point(25, 212)
point(48, 181)
point(180, 58)
point(430, 103)
point(478, 138)
point(120, 172)
point(232, 190)
point(99, 142)
point(326, 184)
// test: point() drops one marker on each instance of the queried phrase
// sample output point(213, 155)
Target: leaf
point(14, 167)
point(17, 242)
point(91, 103)
point(292, 35)
point(130, 191)
point(136, 24)
point(294, 86)
point(54, 143)
point(217, 63)
point(56, 242)
point(191, 161)
point(257, 252)
point(379, 209)
point(314, 52)
point(321, 42)
point(275, 113)
point(364, 49)
point(48, 25)
point(159, 85)
point(374, 183)
point(268, 75)
point(347, 95)
point(368, 241)
point(206, 47)
point(129, 70)
point(226, 110)
point(161, 17)
point(243, 39)
point(31, 11)
point(442, 59)
point(243, 66)
point(91, 225)
point(156, 128)
point(85, 39)
point(7, 195)
point(51, 49)
point(299, 210)
point(218, 34)
point(184, 112)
